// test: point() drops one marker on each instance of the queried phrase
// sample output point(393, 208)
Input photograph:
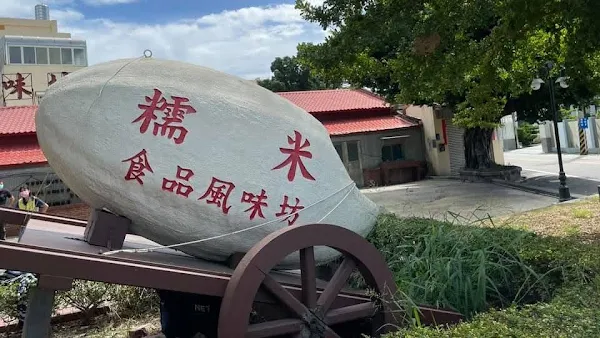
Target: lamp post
point(536, 84)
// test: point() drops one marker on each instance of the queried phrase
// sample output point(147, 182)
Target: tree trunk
point(478, 148)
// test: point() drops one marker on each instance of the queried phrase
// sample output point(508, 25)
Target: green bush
point(87, 297)
point(130, 301)
point(470, 269)
point(8, 302)
point(572, 313)
point(527, 133)
point(124, 301)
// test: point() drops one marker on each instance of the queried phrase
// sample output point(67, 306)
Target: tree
point(471, 56)
point(290, 75)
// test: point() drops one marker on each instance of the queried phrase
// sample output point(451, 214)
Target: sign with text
point(189, 153)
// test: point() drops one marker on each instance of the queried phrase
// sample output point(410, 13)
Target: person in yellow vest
point(6, 199)
point(30, 203)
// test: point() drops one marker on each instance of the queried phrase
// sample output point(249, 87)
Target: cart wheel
point(314, 315)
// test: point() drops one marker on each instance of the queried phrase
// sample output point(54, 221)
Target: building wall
point(37, 80)
point(37, 38)
point(371, 143)
point(42, 181)
point(507, 132)
point(569, 136)
point(498, 147)
point(31, 27)
point(439, 161)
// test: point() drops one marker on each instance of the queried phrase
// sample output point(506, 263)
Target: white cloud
point(108, 2)
point(241, 42)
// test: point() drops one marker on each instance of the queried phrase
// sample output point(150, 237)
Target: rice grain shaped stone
point(188, 153)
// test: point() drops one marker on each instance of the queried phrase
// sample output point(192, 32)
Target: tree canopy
point(290, 75)
point(476, 56)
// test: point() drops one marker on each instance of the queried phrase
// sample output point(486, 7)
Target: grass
point(572, 313)
point(465, 268)
point(108, 327)
point(580, 219)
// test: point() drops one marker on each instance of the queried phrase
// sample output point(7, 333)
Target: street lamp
point(536, 84)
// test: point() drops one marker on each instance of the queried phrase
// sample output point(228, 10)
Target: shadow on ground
point(578, 187)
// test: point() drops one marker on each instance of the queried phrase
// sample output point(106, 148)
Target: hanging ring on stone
point(147, 53)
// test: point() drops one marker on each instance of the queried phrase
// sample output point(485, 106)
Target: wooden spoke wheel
point(315, 312)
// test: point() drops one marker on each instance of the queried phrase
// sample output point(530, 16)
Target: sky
point(240, 37)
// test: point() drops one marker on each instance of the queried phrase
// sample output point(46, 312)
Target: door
point(456, 148)
point(353, 164)
point(350, 155)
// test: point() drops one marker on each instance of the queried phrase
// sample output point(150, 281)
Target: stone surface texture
point(85, 126)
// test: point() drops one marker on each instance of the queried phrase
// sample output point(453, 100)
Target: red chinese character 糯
point(138, 164)
point(178, 187)
point(173, 116)
point(257, 201)
point(295, 155)
point(18, 86)
point(291, 210)
point(217, 193)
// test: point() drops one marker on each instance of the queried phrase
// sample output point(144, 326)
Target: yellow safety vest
point(30, 206)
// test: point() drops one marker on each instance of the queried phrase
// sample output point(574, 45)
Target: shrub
point(130, 301)
point(471, 269)
point(87, 297)
point(465, 268)
point(125, 301)
point(527, 133)
point(8, 302)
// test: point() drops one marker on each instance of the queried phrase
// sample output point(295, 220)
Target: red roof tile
point(17, 120)
point(16, 154)
point(321, 101)
point(354, 126)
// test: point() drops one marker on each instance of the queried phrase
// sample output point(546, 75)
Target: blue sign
point(583, 123)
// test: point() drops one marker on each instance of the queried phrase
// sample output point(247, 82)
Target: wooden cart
point(291, 304)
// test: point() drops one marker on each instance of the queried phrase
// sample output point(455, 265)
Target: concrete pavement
point(454, 200)
point(541, 170)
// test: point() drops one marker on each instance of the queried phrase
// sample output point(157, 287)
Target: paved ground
point(451, 199)
point(541, 170)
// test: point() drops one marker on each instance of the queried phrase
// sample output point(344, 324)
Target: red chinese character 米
point(18, 86)
point(178, 187)
point(257, 201)
point(173, 116)
point(291, 210)
point(295, 155)
point(138, 164)
point(217, 193)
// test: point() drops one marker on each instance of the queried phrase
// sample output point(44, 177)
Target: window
point(29, 55)
point(15, 54)
point(41, 55)
point(392, 152)
point(79, 56)
point(67, 56)
point(338, 148)
point(352, 151)
point(54, 54)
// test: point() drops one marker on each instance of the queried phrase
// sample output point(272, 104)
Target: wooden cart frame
point(58, 250)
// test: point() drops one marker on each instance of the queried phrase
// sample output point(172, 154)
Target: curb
point(69, 315)
point(522, 187)
point(536, 190)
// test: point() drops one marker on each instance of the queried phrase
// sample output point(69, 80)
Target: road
point(455, 201)
point(541, 170)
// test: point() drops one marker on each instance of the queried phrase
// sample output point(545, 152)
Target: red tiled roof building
point(365, 130)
